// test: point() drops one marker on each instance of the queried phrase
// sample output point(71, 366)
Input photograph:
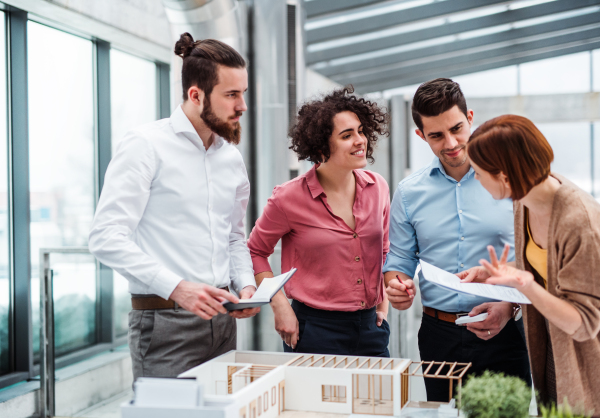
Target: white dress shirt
point(170, 210)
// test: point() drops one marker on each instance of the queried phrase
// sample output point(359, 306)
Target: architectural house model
point(249, 384)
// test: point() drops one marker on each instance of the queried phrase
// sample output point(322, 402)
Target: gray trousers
point(167, 342)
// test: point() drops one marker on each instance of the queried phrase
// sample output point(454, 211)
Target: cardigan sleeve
point(579, 281)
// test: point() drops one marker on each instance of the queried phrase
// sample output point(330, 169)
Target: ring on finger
point(489, 333)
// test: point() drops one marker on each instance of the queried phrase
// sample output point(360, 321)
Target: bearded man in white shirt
point(171, 218)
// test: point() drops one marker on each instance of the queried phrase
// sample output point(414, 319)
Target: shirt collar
point(313, 182)
point(181, 124)
point(436, 164)
point(362, 179)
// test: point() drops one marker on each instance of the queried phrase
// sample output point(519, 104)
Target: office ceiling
point(379, 45)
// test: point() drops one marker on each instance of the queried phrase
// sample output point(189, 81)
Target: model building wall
point(264, 398)
point(305, 390)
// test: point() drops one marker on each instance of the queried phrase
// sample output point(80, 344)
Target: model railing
point(47, 355)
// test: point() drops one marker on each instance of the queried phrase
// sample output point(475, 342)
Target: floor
point(111, 408)
point(373, 406)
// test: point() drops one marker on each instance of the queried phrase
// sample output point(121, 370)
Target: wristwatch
point(517, 312)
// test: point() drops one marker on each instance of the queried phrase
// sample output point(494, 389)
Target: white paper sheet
point(450, 281)
point(269, 286)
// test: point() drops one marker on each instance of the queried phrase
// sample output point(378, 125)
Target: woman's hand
point(380, 317)
point(286, 323)
point(503, 274)
point(474, 274)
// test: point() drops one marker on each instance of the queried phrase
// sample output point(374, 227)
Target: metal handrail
point(47, 357)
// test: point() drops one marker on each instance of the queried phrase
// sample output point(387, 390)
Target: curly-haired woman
point(333, 222)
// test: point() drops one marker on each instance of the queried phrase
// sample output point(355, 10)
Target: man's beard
point(455, 164)
point(231, 134)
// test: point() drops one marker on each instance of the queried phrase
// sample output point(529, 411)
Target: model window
point(334, 393)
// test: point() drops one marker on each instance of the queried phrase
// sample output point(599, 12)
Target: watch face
point(519, 314)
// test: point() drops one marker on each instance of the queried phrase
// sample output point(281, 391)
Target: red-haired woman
point(557, 248)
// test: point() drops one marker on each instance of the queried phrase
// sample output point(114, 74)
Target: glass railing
point(66, 315)
point(75, 295)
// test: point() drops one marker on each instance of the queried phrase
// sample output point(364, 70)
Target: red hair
point(512, 145)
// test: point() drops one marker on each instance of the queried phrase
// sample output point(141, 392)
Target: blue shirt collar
point(436, 164)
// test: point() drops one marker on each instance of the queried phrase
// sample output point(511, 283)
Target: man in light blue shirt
point(442, 215)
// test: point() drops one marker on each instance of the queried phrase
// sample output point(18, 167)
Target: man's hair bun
point(201, 60)
point(185, 45)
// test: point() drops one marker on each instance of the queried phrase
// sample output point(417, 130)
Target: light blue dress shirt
point(449, 224)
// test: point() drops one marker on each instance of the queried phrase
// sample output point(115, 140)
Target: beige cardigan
point(574, 276)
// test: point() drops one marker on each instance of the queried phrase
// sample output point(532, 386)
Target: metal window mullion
point(164, 90)
point(19, 208)
point(105, 311)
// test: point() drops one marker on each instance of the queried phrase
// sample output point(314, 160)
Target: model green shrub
point(494, 395)
point(562, 411)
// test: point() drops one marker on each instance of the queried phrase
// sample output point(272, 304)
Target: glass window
point(572, 151)
point(420, 152)
point(4, 232)
point(61, 152)
point(497, 82)
point(596, 69)
point(566, 74)
point(133, 89)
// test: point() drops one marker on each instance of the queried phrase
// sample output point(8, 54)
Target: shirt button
point(458, 184)
point(354, 235)
point(460, 211)
point(462, 265)
point(357, 258)
point(359, 281)
point(362, 303)
point(462, 238)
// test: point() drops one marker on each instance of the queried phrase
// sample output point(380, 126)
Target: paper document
point(263, 295)
point(450, 281)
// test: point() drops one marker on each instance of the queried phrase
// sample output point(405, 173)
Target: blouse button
point(362, 303)
point(359, 281)
point(354, 235)
point(357, 258)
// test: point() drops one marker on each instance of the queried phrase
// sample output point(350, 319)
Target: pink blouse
point(339, 269)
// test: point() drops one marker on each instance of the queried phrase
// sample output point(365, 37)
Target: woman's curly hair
point(314, 126)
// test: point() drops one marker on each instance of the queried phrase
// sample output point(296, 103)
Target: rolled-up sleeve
point(578, 283)
point(268, 230)
point(402, 255)
point(240, 263)
point(122, 203)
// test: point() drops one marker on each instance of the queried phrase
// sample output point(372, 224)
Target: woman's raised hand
point(502, 274)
